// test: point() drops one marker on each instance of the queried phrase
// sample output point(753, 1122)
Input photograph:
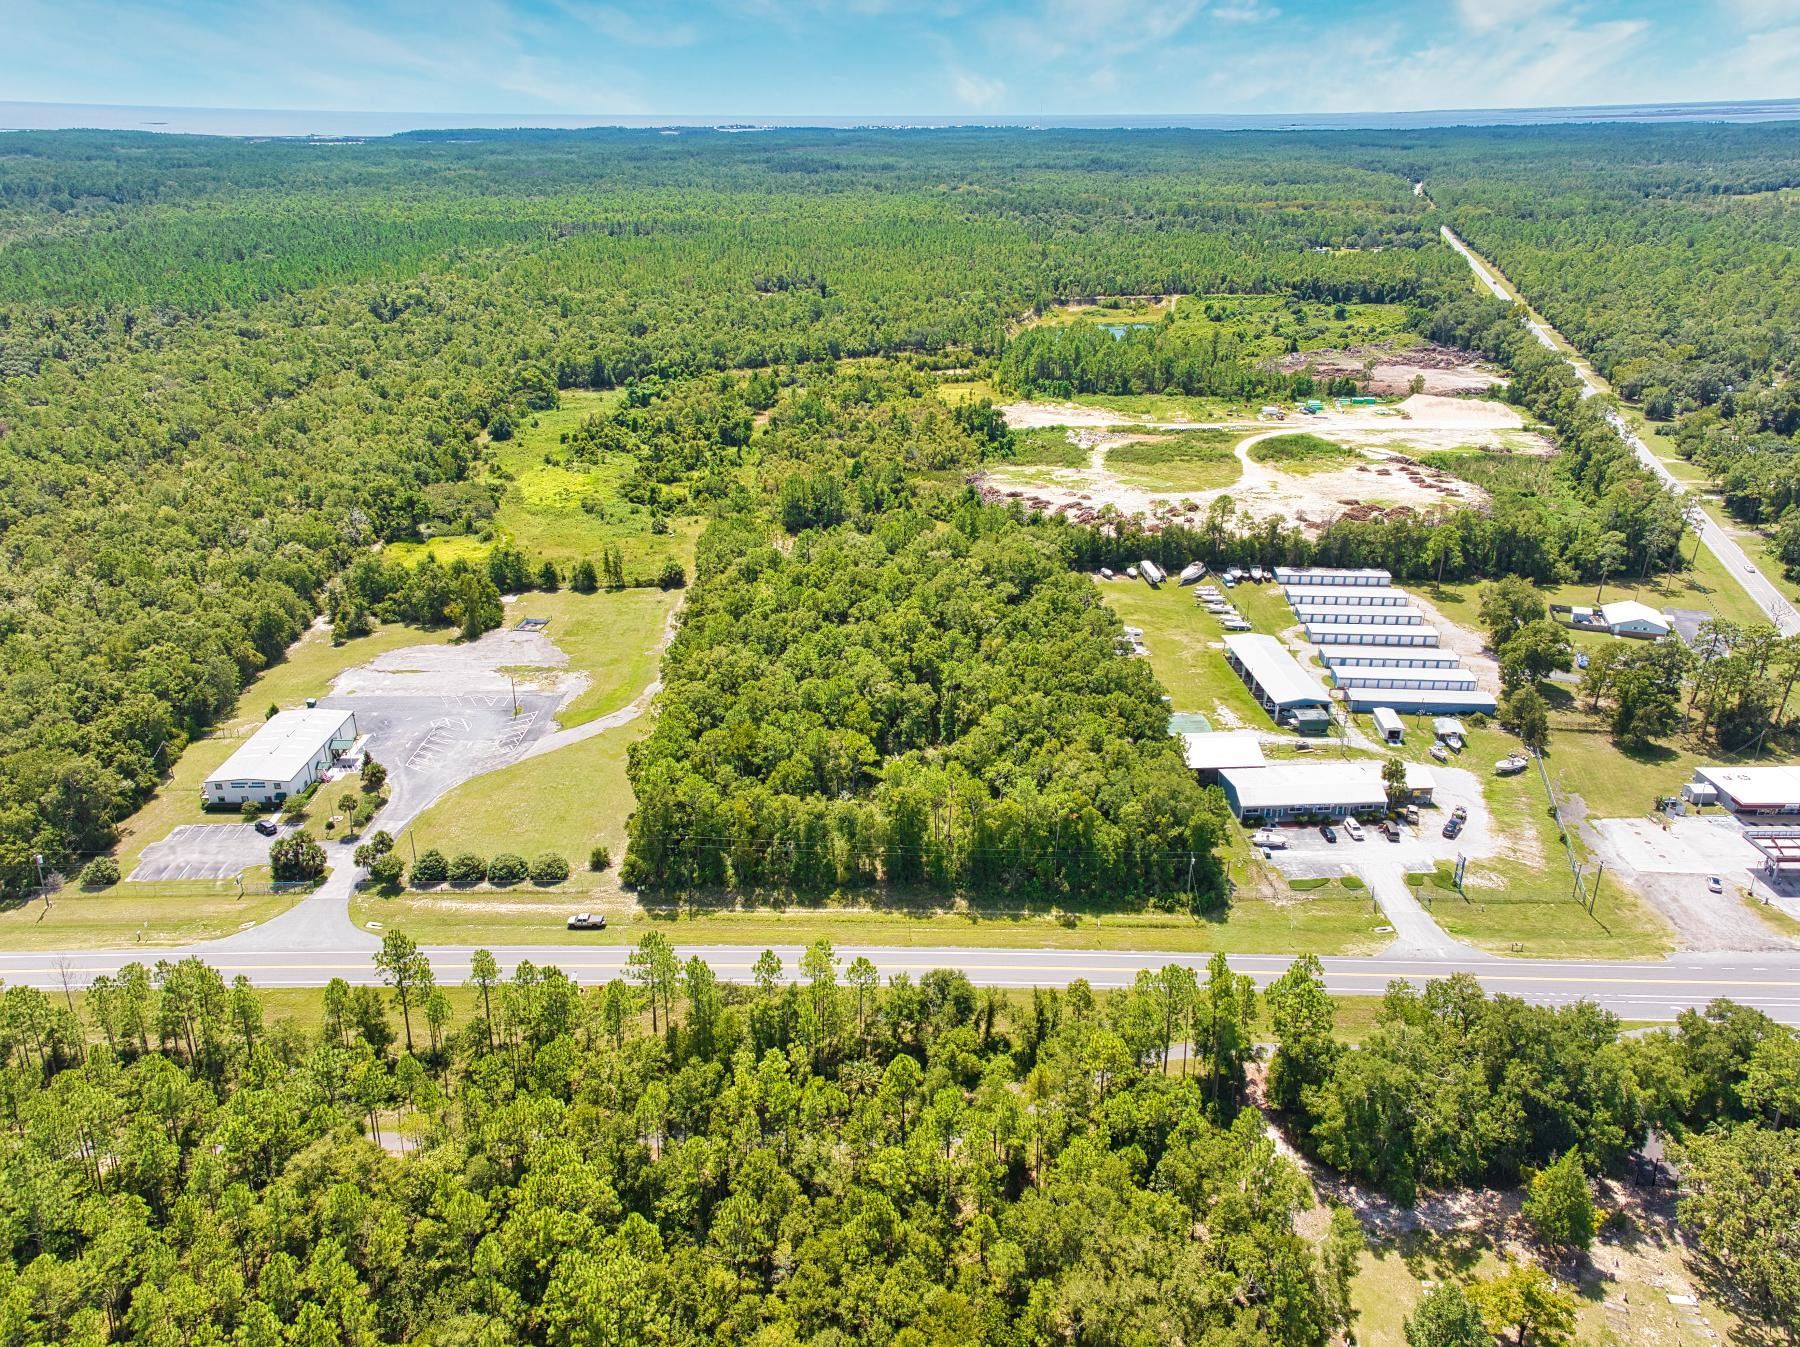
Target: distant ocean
point(274, 122)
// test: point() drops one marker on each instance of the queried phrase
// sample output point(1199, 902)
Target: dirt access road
point(1732, 557)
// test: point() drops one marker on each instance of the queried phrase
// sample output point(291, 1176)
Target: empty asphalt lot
point(202, 851)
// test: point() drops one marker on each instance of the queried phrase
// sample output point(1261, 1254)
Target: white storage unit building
point(1362, 617)
point(1331, 577)
point(288, 752)
point(1281, 683)
point(1422, 701)
point(1389, 725)
point(1335, 655)
point(1323, 633)
point(1346, 596)
point(1209, 754)
point(1365, 676)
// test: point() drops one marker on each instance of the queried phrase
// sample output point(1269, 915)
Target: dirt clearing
point(1444, 369)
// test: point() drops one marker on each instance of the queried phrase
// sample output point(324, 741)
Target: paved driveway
point(203, 851)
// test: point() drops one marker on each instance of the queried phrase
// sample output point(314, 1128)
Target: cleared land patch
point(1302, 454)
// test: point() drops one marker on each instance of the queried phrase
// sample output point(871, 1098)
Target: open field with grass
point(1047, 447)
point(568, 800)
point(557, 510)
point(125, 915)
point(1336, 923)
point(1301, 454)
point(1181, 637)
point(1522, 900)
point(615, 638)
point(1182, 460)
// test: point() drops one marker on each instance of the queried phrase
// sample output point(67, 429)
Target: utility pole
point(38, 857)
point(413, 842)
point(1594, 899)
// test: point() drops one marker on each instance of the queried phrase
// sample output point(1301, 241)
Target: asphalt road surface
point(1637, 991)
point(1732, 557)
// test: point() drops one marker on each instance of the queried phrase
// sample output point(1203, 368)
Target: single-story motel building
point(1317, 789)
point(1757, 791)
point(289, 751)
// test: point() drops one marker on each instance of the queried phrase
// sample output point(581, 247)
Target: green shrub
point(250, 809)
point(600, 858)
point(296, 858)
point(468, 868)
point(1352, 882)
point(506, 868)
point(100, 873)
point(430, 868)
point(549, 868)
point(386, 870)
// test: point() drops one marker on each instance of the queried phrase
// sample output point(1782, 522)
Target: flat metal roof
point(1330, 575)
point(1420, 700)
point(1224, 748)
point(1321, 631)
point(1318, 785)
point(1393, 615)
point(1282, 678)
point(283, 745)
point(1372, 596)
point(1440, 677)
point(1754, 787)
point(1420, 657)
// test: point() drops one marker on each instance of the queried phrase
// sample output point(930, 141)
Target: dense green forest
point(923, 703)
point(229, 370)
point(819, 1157)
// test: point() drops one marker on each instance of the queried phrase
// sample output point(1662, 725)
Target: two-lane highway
point(1732, 557)
point(1655, 990)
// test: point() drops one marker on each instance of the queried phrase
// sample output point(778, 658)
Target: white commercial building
point(1323, 633)
point(1346, 596)
point(1754, 790)
point(1321, 789)
point(1628, 617)
point(1331, 577)
point(1389, 726)
point(288, 752)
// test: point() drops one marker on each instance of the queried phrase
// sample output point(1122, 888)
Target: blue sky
point(871, 57)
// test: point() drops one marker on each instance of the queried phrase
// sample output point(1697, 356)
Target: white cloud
point(975, 92)
point(630, 29)
point(1248, 11)
point(1484, 16)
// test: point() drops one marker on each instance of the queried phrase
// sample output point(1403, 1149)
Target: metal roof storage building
point(1422, 701)
point(1331, 576)
point(1346, 596)
point(1376, 676)
point(1280, 682)
point(1323, 633)
point(1208, 754)
point(288, 752)
point(1362, 617)
point(1334, 655)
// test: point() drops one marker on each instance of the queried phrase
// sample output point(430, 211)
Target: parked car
point(1328, 832)
point(268, 827)
point(1354, 828)
point(1453, 827)
point(588, 921)
point(1392, 830)
point(1412, 814)
point(1714, 884)
point(1460, 813)
point(1268, 837)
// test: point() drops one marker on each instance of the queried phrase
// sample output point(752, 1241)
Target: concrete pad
point(1687, 846)
point(202, 851)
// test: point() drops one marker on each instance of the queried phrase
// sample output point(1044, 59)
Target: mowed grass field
point(615, 638)
point(1300, 454)
point(1183, 643)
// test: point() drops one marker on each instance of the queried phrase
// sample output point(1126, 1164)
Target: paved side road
point(1638, 991)
point(1732, 557)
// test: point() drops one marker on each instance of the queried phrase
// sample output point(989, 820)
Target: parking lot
point(202, 851)
point(1309, 856)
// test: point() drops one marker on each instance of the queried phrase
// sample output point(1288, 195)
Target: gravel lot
point(1670, 867)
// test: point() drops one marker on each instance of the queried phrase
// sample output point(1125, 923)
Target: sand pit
point(1387, 483)
point(1443, 369)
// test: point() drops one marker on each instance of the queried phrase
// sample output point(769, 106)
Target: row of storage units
point(1379, 648)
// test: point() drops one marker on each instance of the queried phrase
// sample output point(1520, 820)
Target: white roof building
point(1328, 788)
point(1280, 682)
point(1628, 617)
point(1346, 596)
point(1328, 576)
point(1341, 615)
point(1323, 633)
point(1223, 748)
point(288, 752)
point(1754, 790)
